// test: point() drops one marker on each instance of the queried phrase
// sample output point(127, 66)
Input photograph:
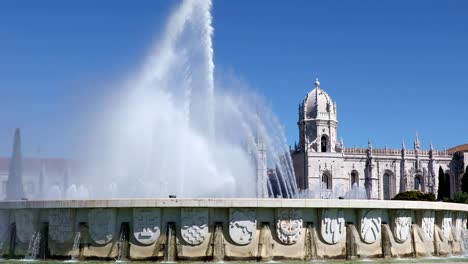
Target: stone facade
point(328, 169)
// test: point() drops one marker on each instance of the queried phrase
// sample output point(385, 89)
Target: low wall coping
point(234, 203)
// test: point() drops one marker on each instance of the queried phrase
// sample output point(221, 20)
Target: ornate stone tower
point(318, 153)
point(317, 122)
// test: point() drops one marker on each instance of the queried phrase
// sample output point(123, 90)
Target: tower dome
point(318, 104)
point(317, 122)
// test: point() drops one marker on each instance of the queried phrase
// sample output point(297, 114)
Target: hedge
point(415, 196)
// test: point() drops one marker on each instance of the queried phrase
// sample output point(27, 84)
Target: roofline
point(459, 148)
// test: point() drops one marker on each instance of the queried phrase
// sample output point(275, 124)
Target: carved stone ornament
point(61, 225)
point(146, 225)
point(26, 224)
point(194, 225)
point(4, 224)
point(101, 225)
point(371, 225)
point(427, 223)
point(458, 228)
point(332, 226)
point(289, 225)
point(447, 224)
point(242, 225)
point(402, 227)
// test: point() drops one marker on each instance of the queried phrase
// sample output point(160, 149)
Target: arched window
point(386, 186)
point(417, 183)
point(324, 144)
point(354, 179)
point(326, 181)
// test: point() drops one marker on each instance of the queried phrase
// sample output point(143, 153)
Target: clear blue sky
point(393, 67)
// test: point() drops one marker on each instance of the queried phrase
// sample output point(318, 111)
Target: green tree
point(442, 191)
point(465, 181)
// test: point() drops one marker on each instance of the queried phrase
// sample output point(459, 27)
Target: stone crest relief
point(332, 226)
point(458, 226)
point(4, 224)
point(146, 225)
point(370, 225)
point(427, 223)
point(289, 225)
point(25, 224)
point(61, 225)
point(447, 224)
point(402, 226)
point(101, 225)
point(242, 225)
point(194, 225)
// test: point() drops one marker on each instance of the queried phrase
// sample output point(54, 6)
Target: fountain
point(173, 125)
point(34, 247)
point(176, 123)
point(174, 130)
point(122, 243)
point(218, 244)
point(75, 256)
point(170, 252)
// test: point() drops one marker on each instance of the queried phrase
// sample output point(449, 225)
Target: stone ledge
point(235, 203)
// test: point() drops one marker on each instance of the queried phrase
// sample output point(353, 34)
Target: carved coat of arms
point(26, 224)
point(61, 225)
point(370, 225)
point(427, 223)
point(242, 225)
point(402, 225)
point(146, 225)
point(101, 225)
point(289, 225)
point(4, 220)
point(458, 226)
point(194, 225)
point(332, 225)
point(447, 224)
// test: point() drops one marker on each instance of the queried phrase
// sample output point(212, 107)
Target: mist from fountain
point(167, 130)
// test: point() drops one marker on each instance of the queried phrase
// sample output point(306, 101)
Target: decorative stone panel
point(458, 228)
point(447, 224)
point(61, 225)
point(101, 225)
point(289, 225)
point(427, 223)
point(4, 224)
point(402, 225)
point(242, 225)
point(332, 225)
point(146, 225)
point(371, 225)
point(194, 225)
point(26, 224)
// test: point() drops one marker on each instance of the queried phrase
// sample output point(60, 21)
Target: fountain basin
point(234, 229)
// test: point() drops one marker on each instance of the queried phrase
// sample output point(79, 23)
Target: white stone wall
point(340, 166)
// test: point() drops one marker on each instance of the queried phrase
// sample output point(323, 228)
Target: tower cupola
point(317, 121)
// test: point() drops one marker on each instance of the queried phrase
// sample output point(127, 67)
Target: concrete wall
point(229, 229)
